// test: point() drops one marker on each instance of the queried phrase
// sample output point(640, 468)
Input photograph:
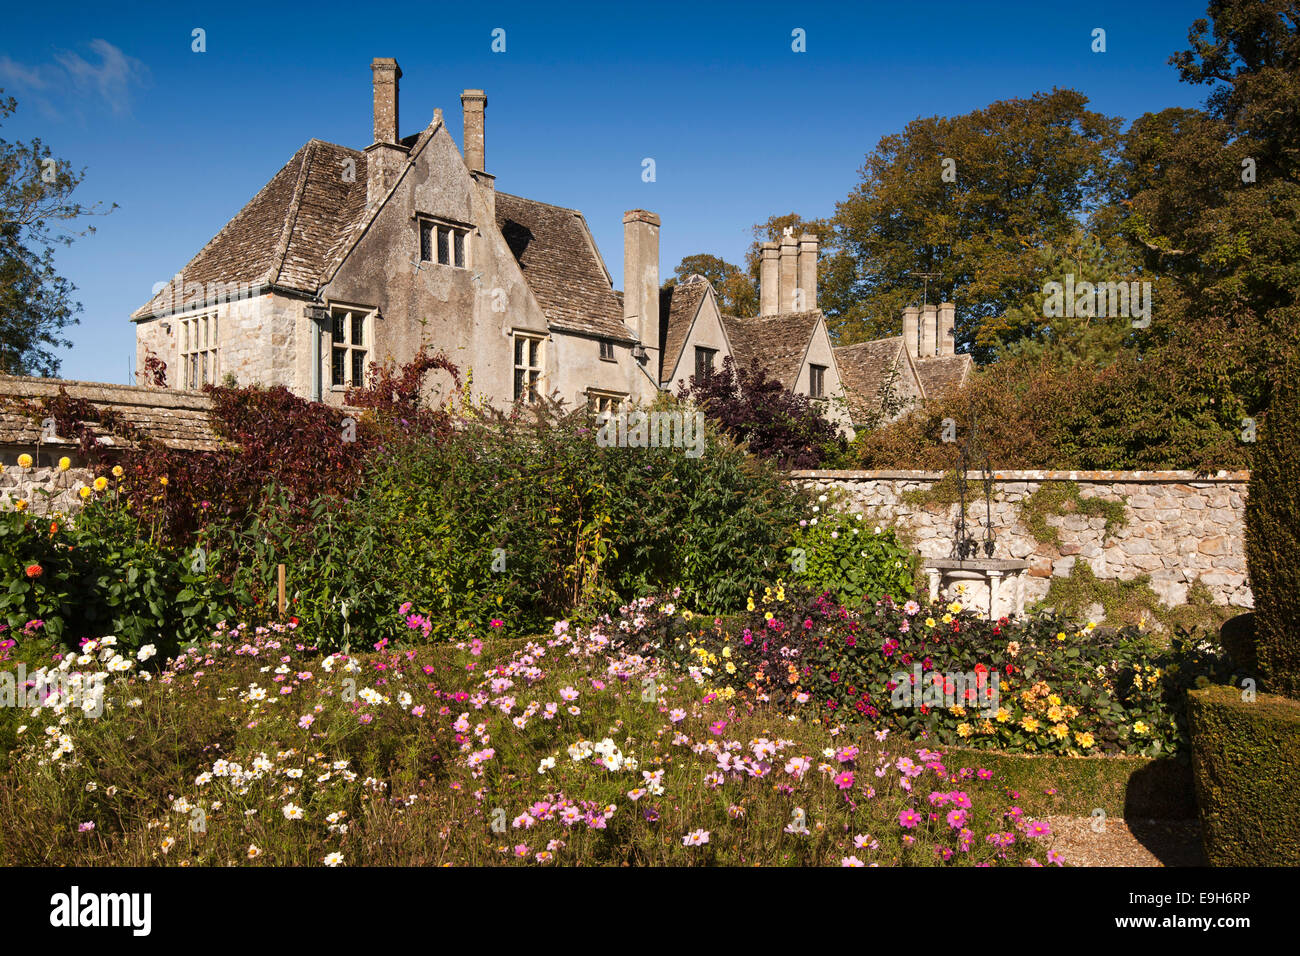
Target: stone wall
point(1180, 527)
point(44, 488)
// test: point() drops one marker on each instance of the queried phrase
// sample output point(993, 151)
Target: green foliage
point(100, 576)
point(1060, 498)
point(1243, 755)
point(35, 203)
point(1058, 690)
point(851, 560)
point(1024, 171)
point(1273, 539)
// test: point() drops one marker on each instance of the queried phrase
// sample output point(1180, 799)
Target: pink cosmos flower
point(908, 819)
point(844, 780)
point(956, 819)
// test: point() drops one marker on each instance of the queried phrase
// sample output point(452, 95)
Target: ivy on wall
point(1061, 498)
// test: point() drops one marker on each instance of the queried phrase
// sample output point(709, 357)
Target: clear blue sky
point(739, 125)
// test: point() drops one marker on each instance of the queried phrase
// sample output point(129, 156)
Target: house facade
point(351, 256)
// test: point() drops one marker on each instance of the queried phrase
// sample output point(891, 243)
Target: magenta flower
point(908, 819)
point(956, 819)
point(844, 780)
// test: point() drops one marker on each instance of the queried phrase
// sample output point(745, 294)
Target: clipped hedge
point(1273, 539)
point(1246, 772)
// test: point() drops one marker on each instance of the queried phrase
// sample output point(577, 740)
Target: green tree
point(1030, 330)
point(736, 294)
point(36, 211)
point(972, 198)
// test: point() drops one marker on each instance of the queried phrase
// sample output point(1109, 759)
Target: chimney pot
point(789, 273)
point(386, 73)
point(808, 271)
point(947, 324)
point(929, 331)
point(768, 281)
point(641, 281)
point(911, 331)
point(474, 105)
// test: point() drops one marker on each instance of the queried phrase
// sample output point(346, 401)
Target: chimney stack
point(641, 280)
point(385, 157)
point(808, 271)
point(789, 272)
point(768, 280)
point(474, 104)
point(947, 323)
point(911, 329)
point(929, 331)
point(386, 73)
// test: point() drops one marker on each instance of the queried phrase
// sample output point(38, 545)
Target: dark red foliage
point(777, 423)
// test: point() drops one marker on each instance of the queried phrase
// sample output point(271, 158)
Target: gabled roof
point(778, 343)
point(177, 418)
point(864, 370)
point(678, 306)
point(558, 258)
point(939, 374)
point(289, 234)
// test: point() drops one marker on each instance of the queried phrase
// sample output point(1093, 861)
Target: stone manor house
point(350, 256)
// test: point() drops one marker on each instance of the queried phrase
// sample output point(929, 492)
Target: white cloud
point(111, 80)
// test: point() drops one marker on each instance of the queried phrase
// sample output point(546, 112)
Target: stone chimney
point(929, 331)
point(789, 272)
point(911, 330)
point(641, 280)
point(474, 105)
point(769, 291)
point(385, 157)
point(808, 271)
point(947, 323)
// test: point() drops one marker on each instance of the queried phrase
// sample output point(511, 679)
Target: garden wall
point(1178, 527)
point(45, 489)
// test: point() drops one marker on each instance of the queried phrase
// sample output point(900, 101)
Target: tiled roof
point(178, 419)
point(678, 305)
point(288, 234)
point(778, 342)
point(559, 259)
point(939, 374)
point(864, 369)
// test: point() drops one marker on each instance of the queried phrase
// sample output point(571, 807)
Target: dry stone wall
point(1179, 528)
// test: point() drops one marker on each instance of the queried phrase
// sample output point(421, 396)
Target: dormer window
point(444, 243)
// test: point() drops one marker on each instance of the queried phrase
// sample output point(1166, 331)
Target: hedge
point(1246, 769)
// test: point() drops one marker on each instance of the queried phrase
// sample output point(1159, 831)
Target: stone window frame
point(353, 352)
point(437, 237)
point(704, 352)
point(607, 351)
point(817, 381)
point(604, 402)
point(528, 355)
point(198, 345)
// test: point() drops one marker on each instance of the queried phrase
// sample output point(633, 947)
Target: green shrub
point(1273, 540)
point(101, 576)
point(843, 555)
point(1246, 773)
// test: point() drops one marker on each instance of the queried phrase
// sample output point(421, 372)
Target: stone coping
point(1175, 477)
point(976, 564)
